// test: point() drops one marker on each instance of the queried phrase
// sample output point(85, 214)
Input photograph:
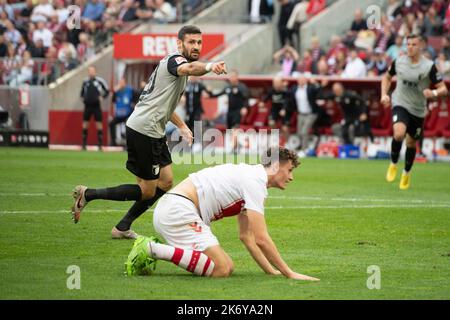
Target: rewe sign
point(156, 46)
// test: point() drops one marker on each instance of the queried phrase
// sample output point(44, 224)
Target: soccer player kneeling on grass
point(183, 217)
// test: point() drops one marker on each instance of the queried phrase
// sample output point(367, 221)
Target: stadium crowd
point(363, 51)
point(36, 45)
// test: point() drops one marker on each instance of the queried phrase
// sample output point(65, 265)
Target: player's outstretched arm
point(248, 238)
point(198, 68)
point(263, 240)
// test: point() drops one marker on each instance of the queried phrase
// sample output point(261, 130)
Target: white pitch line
point(359, 199)
point(431, 202)
point(375, 206)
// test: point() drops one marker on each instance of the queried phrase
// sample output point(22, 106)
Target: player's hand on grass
point(187, 135)
point(219, 68)
point(385, 100)
point(298, 276)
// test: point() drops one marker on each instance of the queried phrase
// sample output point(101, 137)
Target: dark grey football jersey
point(412, 79)
point(159, 98)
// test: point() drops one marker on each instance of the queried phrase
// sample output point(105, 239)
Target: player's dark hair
point(188, 30)
point(279, 154)
point(415, 36)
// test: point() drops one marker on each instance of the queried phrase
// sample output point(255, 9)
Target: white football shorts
point(178, 221)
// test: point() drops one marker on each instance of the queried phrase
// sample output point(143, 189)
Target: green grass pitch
point(335, 220)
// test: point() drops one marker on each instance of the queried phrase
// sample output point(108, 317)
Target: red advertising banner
point(156, 46)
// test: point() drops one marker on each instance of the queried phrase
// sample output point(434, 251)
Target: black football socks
point(124, 192)
point(138, 208)
point(396, 146)
point(410, 155)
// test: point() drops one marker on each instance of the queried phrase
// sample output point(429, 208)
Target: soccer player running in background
point(184, 214)
point(148, 155)
point(409, 102)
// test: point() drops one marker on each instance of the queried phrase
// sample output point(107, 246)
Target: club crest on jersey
point(180, 60)
point(155, 169)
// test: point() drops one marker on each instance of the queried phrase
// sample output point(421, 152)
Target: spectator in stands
point(193, 93)
point(163, 11)
point(25, 13)
point(287, 57)
point(64, 50)
point(440, 6)
point(336, 45)
point(43, 11)
point(316, 53)
point(303, 97)
point(145, 10)
point(123, 98)
point(49, 69)
point(127, 12)
point(446, 47)
point(322, 67)
point(338, 66)
point(409, 26)
point(43, 33)
point(386, 37)
point(411, 7)
point(427, 48)
point(61, 11)
point(286, 7)
point(24, 71)
point(306, 64)
point(3, 46)
point(355, 67)
point(10, 64)
point(393, 9)
point(5, 7)
point(260, 10)
point(37, 49)
point(93, 10)
point(70, 61)
point(112, 10)
point(431, 24)
point(109, 29)
point(358, 24)
point(443, 65)
point(85, 49)
point(396, 49)
point(336, 55)
point(377, 63)
point(56, 27)
point(12, 34)
point(447, 19)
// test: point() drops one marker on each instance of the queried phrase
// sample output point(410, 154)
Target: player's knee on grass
point(222, 270)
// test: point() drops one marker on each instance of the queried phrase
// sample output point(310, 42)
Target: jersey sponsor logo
point(410, 84)
point(395, 118)
point(180, 60)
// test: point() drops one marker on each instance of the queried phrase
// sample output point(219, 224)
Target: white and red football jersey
point(227, 190)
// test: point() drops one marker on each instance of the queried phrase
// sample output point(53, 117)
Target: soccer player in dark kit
point(409, 102)
point(149, 159)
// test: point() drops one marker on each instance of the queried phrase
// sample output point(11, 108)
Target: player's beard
point(188, 56)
